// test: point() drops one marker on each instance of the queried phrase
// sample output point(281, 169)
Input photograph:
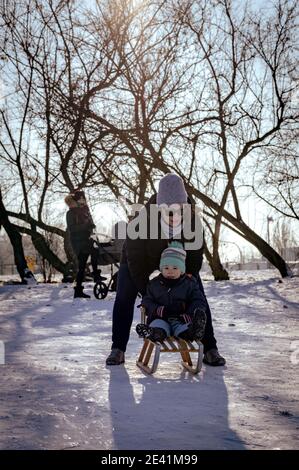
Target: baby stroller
point(107, 253)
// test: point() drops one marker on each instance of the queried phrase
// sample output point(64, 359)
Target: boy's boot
point(198, 324)
point(196, 328)
point(152, 333)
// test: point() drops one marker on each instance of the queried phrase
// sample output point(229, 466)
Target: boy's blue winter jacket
point(159, 294)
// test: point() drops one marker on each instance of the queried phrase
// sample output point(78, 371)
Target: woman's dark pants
point(82, 260)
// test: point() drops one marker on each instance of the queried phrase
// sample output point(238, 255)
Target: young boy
point(174, 304)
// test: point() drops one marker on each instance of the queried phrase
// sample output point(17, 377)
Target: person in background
point(80, 226)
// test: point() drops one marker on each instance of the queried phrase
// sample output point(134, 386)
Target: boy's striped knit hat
point(174, 255)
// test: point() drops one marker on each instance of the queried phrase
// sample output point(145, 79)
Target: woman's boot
point(78, 292)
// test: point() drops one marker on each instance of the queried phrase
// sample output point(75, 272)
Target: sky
point(254, 211)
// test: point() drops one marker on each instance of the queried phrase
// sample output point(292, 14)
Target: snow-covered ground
point(57, 393)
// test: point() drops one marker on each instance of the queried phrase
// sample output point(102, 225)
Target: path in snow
point(57, 393)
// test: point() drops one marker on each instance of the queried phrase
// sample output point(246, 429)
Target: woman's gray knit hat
point(171, 190)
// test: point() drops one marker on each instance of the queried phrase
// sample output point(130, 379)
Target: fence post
point(2, 353)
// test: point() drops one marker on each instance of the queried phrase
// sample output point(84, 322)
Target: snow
point(57, 393)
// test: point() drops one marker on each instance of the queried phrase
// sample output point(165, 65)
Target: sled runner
point(149, 356)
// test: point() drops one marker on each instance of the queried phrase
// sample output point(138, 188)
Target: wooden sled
point(150, 352)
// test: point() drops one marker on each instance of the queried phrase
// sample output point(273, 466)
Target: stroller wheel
point(100, 290)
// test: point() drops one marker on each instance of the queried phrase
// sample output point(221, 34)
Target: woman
point(80, 226)
point(141, 256)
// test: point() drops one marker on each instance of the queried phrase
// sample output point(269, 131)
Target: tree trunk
point(44, 250)
point(16, 242)
point(269, 253)
point(218, 271)
point(41, 245)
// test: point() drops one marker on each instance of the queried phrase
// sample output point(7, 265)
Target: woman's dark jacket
point(80, 225)
point(186, 290)
point(143, 255)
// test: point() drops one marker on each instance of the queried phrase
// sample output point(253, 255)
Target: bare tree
point(42, 54)
point(132, 90)
point(244, 61)
point(16, 242)
point(283, 236)
point(277, 180)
